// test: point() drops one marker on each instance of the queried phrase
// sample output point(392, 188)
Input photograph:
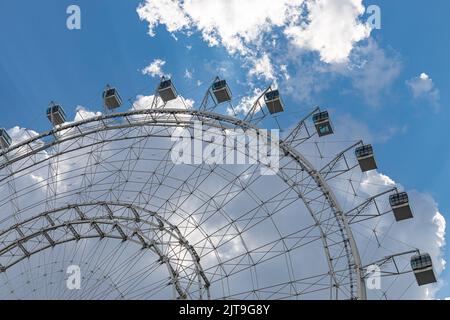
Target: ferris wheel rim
point(354, 263)
point(112, 220)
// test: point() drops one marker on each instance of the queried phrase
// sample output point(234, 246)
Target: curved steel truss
point(111, 177)
point(107, 220)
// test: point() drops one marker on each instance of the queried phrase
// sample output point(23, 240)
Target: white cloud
point(83, 114)
point(154, 69)
point(423, 87)
point(330, 27)
point(263, 68)
point(146, 102)
point(246, 103)
point(19, 134)
point(306, 78)
point(272, 36)
point(165, 12)
point(374, 181)
point(372, 71)
point(233, 24)
point(284, 71)
point(332, 30)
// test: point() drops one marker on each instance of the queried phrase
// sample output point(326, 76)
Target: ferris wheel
point(103, 194)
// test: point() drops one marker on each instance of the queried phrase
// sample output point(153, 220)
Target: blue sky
point(41, 60)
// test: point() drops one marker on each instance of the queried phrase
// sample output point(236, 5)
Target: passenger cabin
point(323, 123)
point(56, 114)
point(221, 91)
point(5, 139)
point(111, 98)
point(167, 91)
point(274, 102)
point(365, 157)
point(422, 267)
point(400, 206)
